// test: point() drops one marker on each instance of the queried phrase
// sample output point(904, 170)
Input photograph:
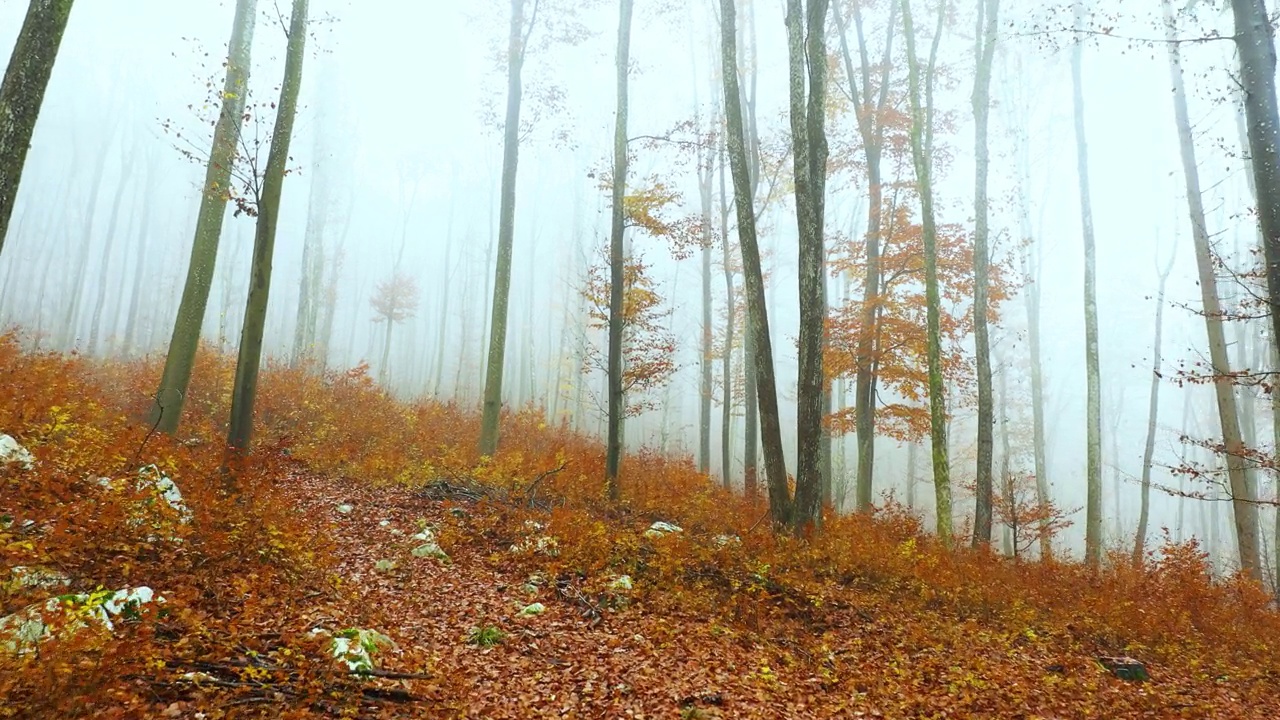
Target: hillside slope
point(460, 586)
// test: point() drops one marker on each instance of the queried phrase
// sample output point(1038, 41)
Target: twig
point(159, 416)
point(391, 675)
point(756, 523)
point(531, 491)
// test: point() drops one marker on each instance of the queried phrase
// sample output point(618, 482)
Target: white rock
point(621, 583)
point(23, 630)
point(545, 545)
point(159, 486)
point(533, 609)
point(356, 647)
point(22, 577)
point(431, 549)
point(166, 488)
point(12, 452)
point(660, 529)
point(345, 508)
point(725, 540)
point(384, 523)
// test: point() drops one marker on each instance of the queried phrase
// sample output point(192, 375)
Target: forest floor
point(528, 595)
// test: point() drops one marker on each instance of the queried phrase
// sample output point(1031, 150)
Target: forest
point(640, 358)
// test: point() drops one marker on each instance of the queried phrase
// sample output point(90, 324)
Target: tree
point(648, 345)
point(394, 301)
point(920, 146)
point(1242, 493)
point(807, 54)
point(245, 389)
point(492, 408)
point(987, 24)
point(1093, 402)
point(613, 447)
point(759, 346)
point(1153, 412)
point(22, 93)
point(166, 410)
point(870, 107)
point(1255, 43)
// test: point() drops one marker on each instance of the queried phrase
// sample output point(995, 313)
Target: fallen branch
point(531, 492)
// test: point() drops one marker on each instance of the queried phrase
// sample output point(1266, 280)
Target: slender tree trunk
point(104, 266)
point(617, 260)
point(1275, 439)
point(1242, 493)
point(1255, 42)
point(871, 127)
point(492, 409)
point(1093, 411)
point(139, 270)
point(384, 367)
point(244, 391)
point(759, 346)
point(445, 293)
point(1153, 413)
point(166, 410)
point(748, 67)
point(1010, 533)
point(726, 408)
point(806, 29)
point(937, 401)
point(309, 284)
point(988, 12)
point(706, 168)
point(71, 314)
point(911, 474)
point(988, 23)
point(1031, 295)
point(22, 93)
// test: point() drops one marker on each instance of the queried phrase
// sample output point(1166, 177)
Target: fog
point(396, 163)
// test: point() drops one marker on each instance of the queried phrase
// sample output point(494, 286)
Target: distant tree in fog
point(394, 301)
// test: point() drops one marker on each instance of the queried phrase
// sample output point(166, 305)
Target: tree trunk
point(104, 266)
point(71, 312)
point(1153, 413)
point(806, 28)
point(759, 345)
point(166, 410)
point(1275, 439)
point(871, 127)
point(22, 93)
point(1093, 412)
point(706, 168)
point(726, 406)
point(617, 260)
point(937, 401)
point(988, 22)
point(139, 269)
point(492, 409)
point(244, 391)
point(445, 293)
point(1011, 529)
point(1243, 501)
point(309, 284)
point(1031, 295)
point(1255, 43)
